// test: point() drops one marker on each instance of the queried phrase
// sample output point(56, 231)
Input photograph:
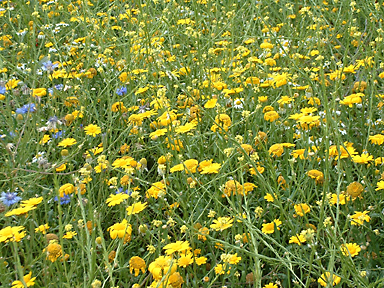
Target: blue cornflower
point(49, 66)
point(9, 198)
point(59, 86)
point(31, 107)
point(58, 134)
point(121, 91)
point(121, 190)
point(3, 90)
point(63, 200)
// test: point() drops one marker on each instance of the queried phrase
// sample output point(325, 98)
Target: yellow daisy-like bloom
point(317, 175)
point(220, 269)
point(270, 285)
point(31, 202)
point(67, 142)
point(66, 189)
point(201, 260)
point(325, 278)
point(359, 217)
point(341, 199)
point(39, 92)
point(211, 169)
point(271, 116)
point(297, 239)
point(161, 266)
point(222, 223)
point(178, 246)
point(269, 228)
point(115, 199)
point(176, 280)
point(364, 158)
point(230, 258)
point(53, 251)
point(27, 279)
point(20, 211)
point(157, 190)
point(120, 230)
point(92, 130)
point(210, 104)
point(186, 128)
point(302, 209)
point(350, 249)
point(136, 208)
point(269, 197)
point(159, 132)
point(185, 261)
point(42, 228)
point(9, 233)
point(380, 185)
point(276, 150)
point(136, 264)
point(355, 189)
point(69, 235)
point(377, 139)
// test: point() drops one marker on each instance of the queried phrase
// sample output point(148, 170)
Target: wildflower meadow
point(191, 143)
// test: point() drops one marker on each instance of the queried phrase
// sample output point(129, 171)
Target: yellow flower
point(157, 190)
point(377, 139)
point(67, 142)
point(121, 230)
point(210, 103)
point(211, 169)
point(42, 228)
point(350, 249)
point(302, 209)
point(53, 251)
point(39, 92)
point(269, 228)
point(159, 132)
point(178, 246)
point(271, 116)
point(270, 285)
point(136, 264)
point(201, 260)
point(66, 189)
point(184, 261)
point(136, 208)
point(352, 99)
point(359, 217)
point(115, 199)
point(27, 279)
point(162, 265)
point(186, 128)
point(34, 201)
point(297, 239)
point(230, 258)
point(62, 167)
point(325, 278)
point(317, 175)
point(380, 185)
point(92, 130)
point(269, 197)
point(364, 158)
point(69, 235)
point(222, 223)
point(276, 150)
point(341, 199)
point(355, 189)
point(9, 233)
point(220, 269)
point(176, 280)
